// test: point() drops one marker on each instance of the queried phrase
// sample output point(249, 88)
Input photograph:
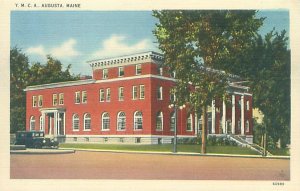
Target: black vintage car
point(35, 139)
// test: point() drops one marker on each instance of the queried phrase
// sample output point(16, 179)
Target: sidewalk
point(178, 153)
point(43, 151)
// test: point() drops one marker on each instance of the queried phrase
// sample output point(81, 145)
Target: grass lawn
point(163, 148)
point(282, 152)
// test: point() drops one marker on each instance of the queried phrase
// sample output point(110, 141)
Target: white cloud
point(38, 50)
point(64, 51)
point(116, 45)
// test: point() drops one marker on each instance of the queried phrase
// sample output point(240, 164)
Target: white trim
point(60, 84)
point(233, 115)
point(242, 115)
point(213, 117)
point(126, 60)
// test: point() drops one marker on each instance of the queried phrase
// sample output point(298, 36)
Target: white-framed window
point(138, 120)
point(138, 69)
point(160, 71)
point(247, 105)
point(172, 121)
point(54, 99)
point(160, 93)
point(32, 123)
point(121, 71)
point(41, 123)
point(84, 97)
point(61, 99)
point(121, 93)
point(34, 101)
point(189, 122)
point(87, 121)
point(75, 122)
point(105, 73)
point(108, 94)
point(159, 121)
point(134, 92)
point(77, 97)
point(173, 74)
point(101, 95)
point(121, 119)
point(172, 97)
point(105, 121)
point(247, 126)
point(40, 103)
point(142, 91)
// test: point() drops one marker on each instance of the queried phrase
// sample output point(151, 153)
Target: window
point(159, 121)
point(172, 121)
point(61, 99)
point(108, 94)
point(247, 105)
point(138, 69)
point(77, 97)
point(121, 121)
point(75, 122)
point(104, 73)
point(134, 92)
point(54, 99)
point(247, 126)
point(138, 120)
point(101, 94)
point(32, 123)
point(189, 123)
point(105, 121)
point(121, 93)
point(173, 74)
point(160, 93)
point(121, 71)
point(172, 97)
point(34, 101)
point(142, 92)
point(84, 97)
point(40, 101)
point(160, 71)
point(87, 121)
point(41, 123)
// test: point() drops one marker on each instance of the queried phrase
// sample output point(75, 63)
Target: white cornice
point(151, 56)
point(136, 77)
point(60, 84)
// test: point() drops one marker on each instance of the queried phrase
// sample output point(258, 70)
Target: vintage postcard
point(131, 95)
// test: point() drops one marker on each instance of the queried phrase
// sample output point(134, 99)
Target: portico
point(53, 121)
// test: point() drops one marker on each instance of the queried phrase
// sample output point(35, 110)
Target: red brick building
point(126, 101)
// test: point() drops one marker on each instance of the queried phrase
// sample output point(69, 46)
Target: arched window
point(247, 126)
point(87, 121)
point(159, 121)
point(189, 122)
point(105, 121)
point(75, 122)
point(138, 120)
point(172, 121)
point(32, 123)
point(121, 121)
point(41, 123)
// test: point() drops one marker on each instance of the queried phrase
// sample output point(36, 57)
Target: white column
point(50, 124)
point(233, 115)
point(242, 116)
point(64, 123)
point(58, 124)
point(196, 124)
point(55, 124)
point(224, 118)
point(213, 117)
point(44, 121)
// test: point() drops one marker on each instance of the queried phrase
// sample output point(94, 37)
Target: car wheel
point(38, 146)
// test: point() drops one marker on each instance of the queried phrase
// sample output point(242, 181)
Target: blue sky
point(76, 37)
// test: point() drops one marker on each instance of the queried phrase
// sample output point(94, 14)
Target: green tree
point(19, 74)
point(268, 73)
point(50, 72)
point(23, 75)
point(195, 43)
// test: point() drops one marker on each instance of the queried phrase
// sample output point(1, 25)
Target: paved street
point(105, 165)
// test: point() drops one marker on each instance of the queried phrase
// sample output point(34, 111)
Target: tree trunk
point(204, 129)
